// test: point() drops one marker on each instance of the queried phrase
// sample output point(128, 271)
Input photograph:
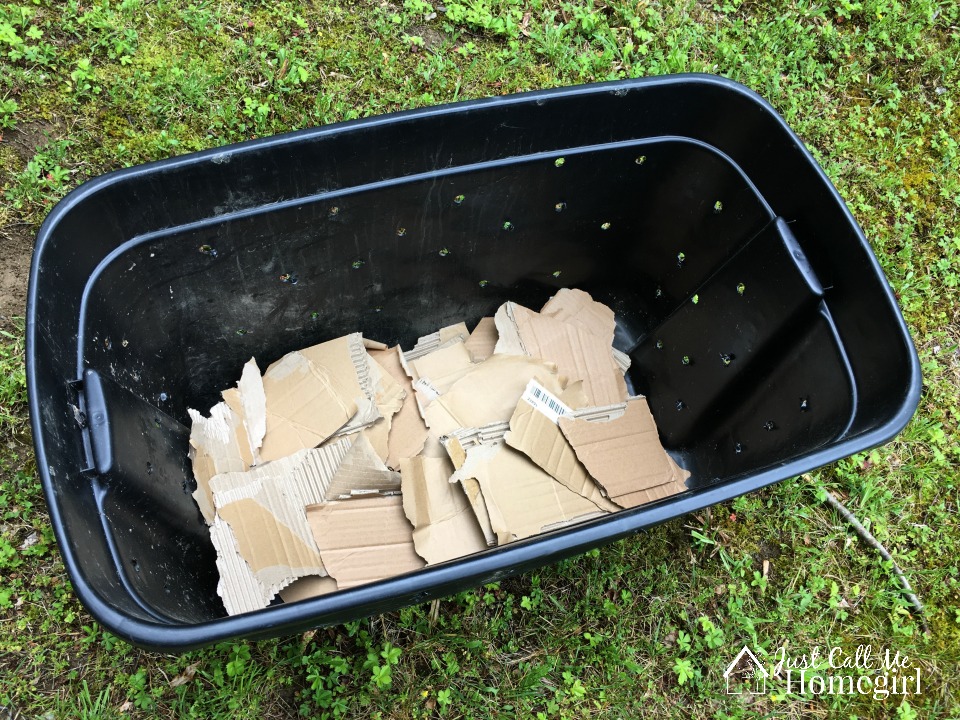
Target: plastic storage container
point(759, 323)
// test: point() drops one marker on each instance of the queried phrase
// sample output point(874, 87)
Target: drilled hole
point(686, 360)
point(605, 226)
point(695, 299)
point(738, 448)
point(149, 468)
point(804, 405)
point(208, 250)
point(507, 225)
point(357, 264)
point(484, 283)
point(458, 200)
point(681, 405)
point(741, 288)
point(444, 252)
point(681, 258)
point(334, 211)
point(726, 359)
point(556, 273)
point(659, 344)
point(718, 207)
point(559, 162)
point(560, 206)
point(641, 159)
point(769, 425)
point(289, 278)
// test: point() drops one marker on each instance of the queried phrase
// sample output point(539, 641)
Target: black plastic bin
point(685, 203)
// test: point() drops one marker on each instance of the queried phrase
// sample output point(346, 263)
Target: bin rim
point(450, 576)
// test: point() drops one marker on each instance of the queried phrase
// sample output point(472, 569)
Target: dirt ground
point(16, 250)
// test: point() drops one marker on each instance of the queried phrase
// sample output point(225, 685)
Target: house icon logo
point(746, 674)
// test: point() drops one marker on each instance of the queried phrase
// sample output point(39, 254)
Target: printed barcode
point(545, 401)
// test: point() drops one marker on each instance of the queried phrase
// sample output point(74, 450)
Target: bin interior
point(750, 315)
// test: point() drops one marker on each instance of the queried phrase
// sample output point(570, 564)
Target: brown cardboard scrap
point(407, 429)
point(218, 444)
point(389, 396)
point(333, 376)
point(261, 517)
point(363, 540)
point(361, 472)
point(521, 499)
point(579, 354)
point(488, 393)
point(456, 446)
point(435, 372)
point(444, 525)
point(374, 345)
point(368, 373)
point(308, 587)
point(482, 340)
point(534, 432)
point(442, 338)
point(620, 448)
point(578, 308)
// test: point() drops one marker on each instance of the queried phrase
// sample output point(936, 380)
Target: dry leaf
point(186, 676)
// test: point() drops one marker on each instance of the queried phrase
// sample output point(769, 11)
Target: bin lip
point(481, 567)
point(497, 561)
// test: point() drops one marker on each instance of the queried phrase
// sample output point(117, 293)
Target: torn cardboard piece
point(260, 532)
point(363, 540)
point(620, 448)
point(534, 431)
point(433, 374)
point(521, 499)
point(456, 446)
point(313, 393)
point(218, 444)
point(389, 396)
point(579, 354)
point(407, 431)
point(580, 309)
point(260, 516)
point(435, 341)
point(482, 340)
point(488, 394)
point(444, 525)
point(308, 587)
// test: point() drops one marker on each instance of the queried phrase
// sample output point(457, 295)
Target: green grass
point(646, 626)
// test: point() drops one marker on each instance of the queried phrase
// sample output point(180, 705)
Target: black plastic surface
point(757, 320)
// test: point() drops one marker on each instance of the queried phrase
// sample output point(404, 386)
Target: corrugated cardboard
point(218, 444)
point(407, 429)
point(520, 498)
point(456, 446)
point(444, 525)
point(439, 339)
point(435, 372)
point(488, 394)
point(263, 542)
point(579, 354)
point(308, 587)
point(261, 518)
point(579, 308)
point(389, 396)
point(333, 376)
point(534, 432)
point(482, 340)
point(363, 540)
point(620, 448)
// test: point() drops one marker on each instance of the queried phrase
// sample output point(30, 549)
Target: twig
point(870, 540)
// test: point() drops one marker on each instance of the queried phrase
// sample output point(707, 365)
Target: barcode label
point(544, 401)
point(426, 387)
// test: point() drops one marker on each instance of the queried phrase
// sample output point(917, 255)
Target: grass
point(646, 626)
